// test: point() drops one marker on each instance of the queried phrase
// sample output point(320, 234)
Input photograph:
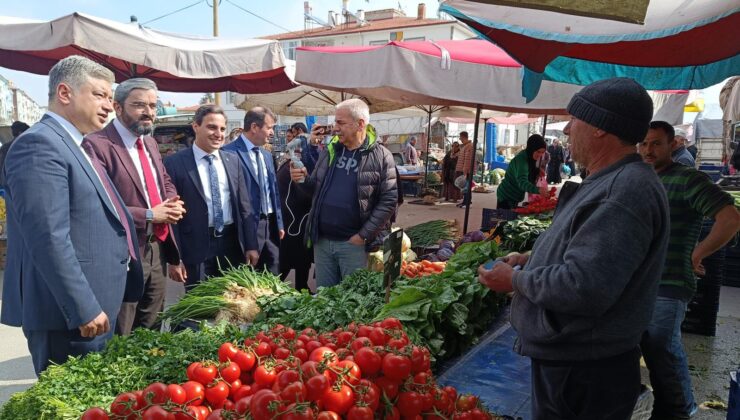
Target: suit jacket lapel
point(122, 152)
point(230, 167)
point(192, 170)
point(84, 162)
point(246, 158)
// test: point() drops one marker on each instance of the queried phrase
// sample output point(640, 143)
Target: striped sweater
point(691, 197)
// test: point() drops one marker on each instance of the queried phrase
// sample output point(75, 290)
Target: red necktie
point(160, 229)
point(112, 194)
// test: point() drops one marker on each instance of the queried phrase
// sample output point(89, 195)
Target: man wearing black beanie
point(587, 291)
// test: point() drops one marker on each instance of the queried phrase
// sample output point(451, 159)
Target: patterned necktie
point(160, 229)
point(112, 195)
point(218, 211)
point(262, 182)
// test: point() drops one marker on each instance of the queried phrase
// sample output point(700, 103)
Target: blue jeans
point(666, 360)
point(335, 260)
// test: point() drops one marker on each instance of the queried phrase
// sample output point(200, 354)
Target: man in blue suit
point(70, 238)
point(259, 172)
point(219, 229)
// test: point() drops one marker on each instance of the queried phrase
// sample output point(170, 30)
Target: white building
point(6, 102)
point(24, 108)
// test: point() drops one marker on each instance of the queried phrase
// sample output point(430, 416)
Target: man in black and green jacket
point(354, 191)
point(691, 197)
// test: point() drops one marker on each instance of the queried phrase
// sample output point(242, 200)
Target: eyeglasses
point(143, 105)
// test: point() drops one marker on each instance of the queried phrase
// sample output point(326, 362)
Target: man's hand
point(252, 257)
point(498, 278)
point(356, 239)
point(515, 259)
point(281, 233)
point(177, 272)
point(169, 211)
point(696, 260)
point(298, 174)
point(98, 326)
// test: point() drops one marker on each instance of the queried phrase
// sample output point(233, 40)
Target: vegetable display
point(231, 297)
point(538, 204)
point(421, 269)
point(520, 234)
point(430, 233)
point(65, 391)
point(357, 372)
point(357, 298)
point(447, 312)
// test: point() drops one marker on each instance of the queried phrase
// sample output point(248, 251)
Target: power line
point(172, 13)
point(258, 16)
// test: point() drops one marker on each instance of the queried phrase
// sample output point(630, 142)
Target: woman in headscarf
point(521, 176)
point(451, 192)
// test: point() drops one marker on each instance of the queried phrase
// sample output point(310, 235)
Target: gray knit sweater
point(589, 287)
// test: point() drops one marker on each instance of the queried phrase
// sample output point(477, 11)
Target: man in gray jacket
point(586, 294)
point(354, 194)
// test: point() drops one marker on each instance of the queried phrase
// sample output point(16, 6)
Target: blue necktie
point(218, 211)
point(262, 184)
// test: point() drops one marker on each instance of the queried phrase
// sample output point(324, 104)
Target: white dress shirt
point(223, 184)
point(263, 175)
point(77, 137)
point(129, 140)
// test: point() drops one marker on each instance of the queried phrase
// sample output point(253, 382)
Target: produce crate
point(493, 217)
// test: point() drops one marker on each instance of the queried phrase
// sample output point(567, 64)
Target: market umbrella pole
point(469, 181)
point(429, 138)
point(544, 126)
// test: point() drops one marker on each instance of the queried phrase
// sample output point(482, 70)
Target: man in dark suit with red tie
point(132, 160)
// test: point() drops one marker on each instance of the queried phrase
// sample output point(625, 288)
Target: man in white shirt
point(259, 172)
point(219, 229)
point(130, 156)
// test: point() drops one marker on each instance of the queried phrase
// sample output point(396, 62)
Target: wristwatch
point(149, 215)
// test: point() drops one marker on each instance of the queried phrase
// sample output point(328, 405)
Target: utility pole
point(216, 96)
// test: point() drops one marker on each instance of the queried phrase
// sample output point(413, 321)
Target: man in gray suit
point(72, 251)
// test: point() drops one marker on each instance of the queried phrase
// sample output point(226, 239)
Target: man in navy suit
point(219, 229)
point(70, 237)
point(259, 172)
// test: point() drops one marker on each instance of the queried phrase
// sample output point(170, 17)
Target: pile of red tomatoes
point(539, 204)
point(361, 372)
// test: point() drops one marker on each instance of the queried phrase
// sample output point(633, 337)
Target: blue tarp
point(494, 372)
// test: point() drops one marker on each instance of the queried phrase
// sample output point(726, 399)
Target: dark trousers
point(604, 389)
point(224, 252)
point(295, 256)
point(49, 347)
point(468, 196)
point(268, 235)
point(144, 312)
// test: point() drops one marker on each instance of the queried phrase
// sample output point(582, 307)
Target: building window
point(289, 48)
point(416, 38)
point(381, 42)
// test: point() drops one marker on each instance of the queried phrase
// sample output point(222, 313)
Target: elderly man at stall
point(586, 293)
point(354, 194)
point(692, 196)
point(410, 155)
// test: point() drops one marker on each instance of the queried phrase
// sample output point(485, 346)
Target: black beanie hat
point(619, 106)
